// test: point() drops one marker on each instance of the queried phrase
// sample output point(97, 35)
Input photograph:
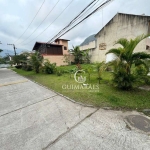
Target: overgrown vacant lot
point(107, 95)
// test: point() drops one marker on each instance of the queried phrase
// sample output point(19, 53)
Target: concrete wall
point(90, 45)
point(59, 60)
point(121, 26)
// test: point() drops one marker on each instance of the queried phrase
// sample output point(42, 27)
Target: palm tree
point(36, 61)
point(123, 77)
point(78, 54)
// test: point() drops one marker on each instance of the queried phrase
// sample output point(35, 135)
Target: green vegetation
point(36, 61)
point(48, 68)
point(124, 76)
point(107, 95)
point(80, 57)
point(19, 59)
point(94, 83)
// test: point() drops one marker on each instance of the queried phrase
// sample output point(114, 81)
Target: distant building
point(54, 52)
point(120, 26)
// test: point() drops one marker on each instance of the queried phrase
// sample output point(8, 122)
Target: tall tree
point(123, 77)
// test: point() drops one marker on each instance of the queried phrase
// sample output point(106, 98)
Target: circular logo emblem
point(79, 76)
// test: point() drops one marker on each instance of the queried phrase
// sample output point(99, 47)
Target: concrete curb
point(79, 103)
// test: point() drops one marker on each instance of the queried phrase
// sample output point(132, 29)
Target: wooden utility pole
point(14, 48)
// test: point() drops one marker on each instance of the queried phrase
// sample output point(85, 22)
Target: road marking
point(11, 83)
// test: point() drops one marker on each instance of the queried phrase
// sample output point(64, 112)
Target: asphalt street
point(35, 118)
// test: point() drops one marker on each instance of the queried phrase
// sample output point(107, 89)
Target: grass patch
point(107, 95)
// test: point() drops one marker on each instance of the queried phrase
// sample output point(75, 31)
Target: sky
point(17, 15)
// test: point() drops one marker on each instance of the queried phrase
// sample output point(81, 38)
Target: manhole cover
point(139, 122)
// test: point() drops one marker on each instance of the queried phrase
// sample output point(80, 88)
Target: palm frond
point(141, 62)
point(116, 51)
point(134, 42)
point(124, 42)
point(140, 55)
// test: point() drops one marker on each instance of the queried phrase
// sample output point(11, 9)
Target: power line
point(89, 9)
point(51, 22)
point(77, 17)
point(87, 16)
point(80, 15)
point(60, 15)
point(59, 35)
point(30, 22)
point(42, 21)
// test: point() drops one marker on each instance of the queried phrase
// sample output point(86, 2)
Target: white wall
point(121, 26)
point(90, 45)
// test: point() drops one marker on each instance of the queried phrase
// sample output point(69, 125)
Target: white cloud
point(16, 15)
point(8, 18)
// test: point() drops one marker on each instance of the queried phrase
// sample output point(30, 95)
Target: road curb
point(79, 103)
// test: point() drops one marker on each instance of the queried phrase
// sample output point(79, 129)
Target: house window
point(65, 48)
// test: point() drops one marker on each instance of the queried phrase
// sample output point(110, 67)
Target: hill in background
point(5, 52)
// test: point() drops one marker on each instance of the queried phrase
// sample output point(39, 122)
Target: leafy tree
point(2, 61)
point(1, 50)
point(123, 75)
point(36, 61)
point(18, 59)
point(78, 54)
point(86, 56)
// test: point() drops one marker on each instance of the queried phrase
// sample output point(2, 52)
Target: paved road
point(35, 118)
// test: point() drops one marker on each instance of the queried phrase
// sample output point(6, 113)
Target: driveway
point(35, 118)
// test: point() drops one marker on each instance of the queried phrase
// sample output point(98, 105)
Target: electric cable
point(55, 37)
point(30, 22)
point(41, 22)
point(50, 23)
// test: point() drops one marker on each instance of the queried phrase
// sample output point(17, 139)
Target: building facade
point(54, 52)
point(120, 26)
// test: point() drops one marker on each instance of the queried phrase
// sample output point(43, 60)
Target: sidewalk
point(35, 118)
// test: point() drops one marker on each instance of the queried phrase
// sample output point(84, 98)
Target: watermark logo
point(79, 76)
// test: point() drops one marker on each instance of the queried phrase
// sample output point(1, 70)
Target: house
point(54, 52)
point(120, 26)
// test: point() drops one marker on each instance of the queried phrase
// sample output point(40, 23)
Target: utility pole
point(1, 49)
point(14, 48)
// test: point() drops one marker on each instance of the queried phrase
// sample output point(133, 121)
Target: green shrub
point(140, 70)
point(36, 61)
point(18, 66)
point(49, 68)
point(59, 72)
point(124, 78)
point(27, 67)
